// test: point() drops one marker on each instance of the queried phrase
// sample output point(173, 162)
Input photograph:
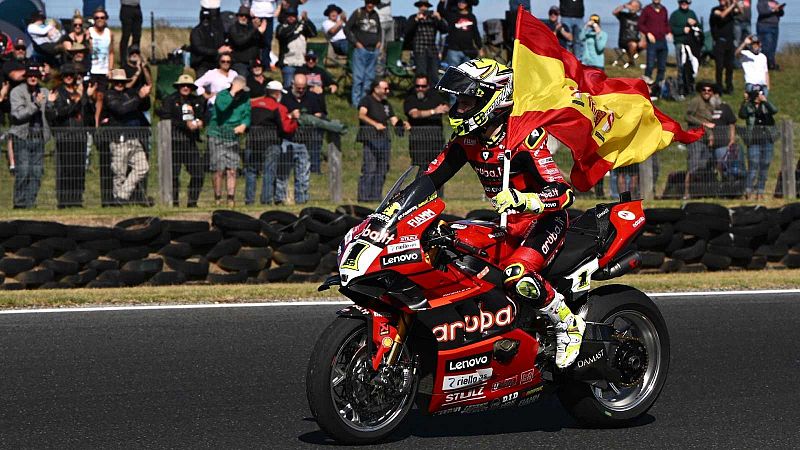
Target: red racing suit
point(532, 170)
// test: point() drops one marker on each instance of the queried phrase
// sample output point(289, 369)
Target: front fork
point(388, 338)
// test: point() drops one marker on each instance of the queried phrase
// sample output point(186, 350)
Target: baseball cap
point(275, 85)
point(20, 43)
point(311, 54)
point(755, 40)
point(554, 10)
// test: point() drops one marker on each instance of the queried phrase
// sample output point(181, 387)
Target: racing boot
point(569, 330)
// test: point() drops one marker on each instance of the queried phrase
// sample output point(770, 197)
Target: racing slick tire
point(593, 405)
point(341, 349)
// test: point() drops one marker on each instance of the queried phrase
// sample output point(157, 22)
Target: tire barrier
point(279, 246)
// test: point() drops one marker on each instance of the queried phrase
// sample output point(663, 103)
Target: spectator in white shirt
point(216, 80)
point(333, 27)
point(754, 65)
point(266, 10)
point(45, 37)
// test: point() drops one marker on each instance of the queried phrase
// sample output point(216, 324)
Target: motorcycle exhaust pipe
point(619, 267)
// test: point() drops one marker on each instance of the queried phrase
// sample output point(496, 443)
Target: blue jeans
point(574, 25)
point(656, 55)
point(287, 72)
point(254, 163)
point(290, 155)
point(374, 167)
point(759, 156)
point(340, 47)
point(364, 62)
point(748, 87)
point(29, 155)
point(455, 57)
point(727, 166)
point(769, 41)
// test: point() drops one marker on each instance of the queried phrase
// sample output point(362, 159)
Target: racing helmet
point(483, 90)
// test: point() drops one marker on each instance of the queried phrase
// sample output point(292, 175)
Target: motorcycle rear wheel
point(339, 382)
point(635, 316)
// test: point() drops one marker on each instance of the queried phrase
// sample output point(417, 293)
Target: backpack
point(669, 89)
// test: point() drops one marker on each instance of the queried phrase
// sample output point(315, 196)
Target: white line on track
point(343, 302)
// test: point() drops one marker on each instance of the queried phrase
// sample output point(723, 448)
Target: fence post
point(335, 167)
point(165, 161)
point(788, 160)
point(646, 182)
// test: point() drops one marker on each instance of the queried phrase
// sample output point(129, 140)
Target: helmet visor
point(457, 82)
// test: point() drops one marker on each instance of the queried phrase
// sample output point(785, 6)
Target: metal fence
point(121, 166)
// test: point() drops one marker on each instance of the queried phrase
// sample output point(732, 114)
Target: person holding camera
point(681, 22)
point(553, 22)
point(654, 24)
point(628, 16)
point(421, 29)
point(593, 42)
point(759, 115)
point(754, 65)
point(767, 27)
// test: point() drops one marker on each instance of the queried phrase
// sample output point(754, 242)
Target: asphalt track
point(234, 378)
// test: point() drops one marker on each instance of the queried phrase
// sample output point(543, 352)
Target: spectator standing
point(246, 39)
point(463, 38)
point(15, 67)
point(421, 30)
point(319, 79)
point(628, 16)
point(514, 4)
point(681, 22)
point(308, 103)
point(78, 34)
point(45, 37)
point(130, 14)
point(721, 24)
point(125, 108)
point(29, 131)
point(742, 21)
point(593, 41)
point(272, 124)
point(375, 114)
point(207, 43)
point(186, 112)
point(754, 66)
point(767, 27)
point(287, 6)
point(292, 36)
point(553, 22)
point(101, 41)
point(230, 117)
point(384, 10)
point(333, 27)
point(723, 137)
point(256, 80)
point(759, 115)
point(71, 113)
point(265, 11)
point(654, 24)
point(572, 13)
point(699, 113)
point(363, 31)
point(217, 80)
point(136, 69)
point(424, 109)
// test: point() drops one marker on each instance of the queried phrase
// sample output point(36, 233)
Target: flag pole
point(503, 146)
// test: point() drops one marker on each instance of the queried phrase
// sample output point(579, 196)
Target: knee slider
point(524, 286)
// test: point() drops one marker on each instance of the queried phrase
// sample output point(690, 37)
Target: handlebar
point(444, 236)
point(469, 248)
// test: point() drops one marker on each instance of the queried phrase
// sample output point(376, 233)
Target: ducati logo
point(486, 155)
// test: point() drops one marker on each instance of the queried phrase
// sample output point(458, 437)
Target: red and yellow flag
point(606, 122)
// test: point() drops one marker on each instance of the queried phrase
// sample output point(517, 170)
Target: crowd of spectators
point(239, 84)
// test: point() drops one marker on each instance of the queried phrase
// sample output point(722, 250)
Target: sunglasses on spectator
point(77, 24)
point(707, 90)
point(99, 17)
point(420, 86)
point(224, 61)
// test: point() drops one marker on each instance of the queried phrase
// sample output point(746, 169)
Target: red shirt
point(287, 124)
point(655, 22)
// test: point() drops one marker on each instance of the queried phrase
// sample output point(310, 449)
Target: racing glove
point(517, 201)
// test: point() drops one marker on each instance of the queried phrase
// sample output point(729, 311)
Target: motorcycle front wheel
point(351, 402)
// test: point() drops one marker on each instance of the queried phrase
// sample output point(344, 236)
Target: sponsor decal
point(545, 161)
point(464, 396)
point(455, 382)
point(387, 342)
point(527, 376)
point(486, 155)
point(383, 329)
point(460, 290)
point(448, 411)
point(469, 362)
point(351, 262)
point(408, 238)
point(403, 246)
point(470, 141)
point(458, 226)
point(409, 256)
point(552, 237)
point(528, 400)
point(626, 215)
point(505, 384)
point(469, 409)
point(591, 360)
point(535, 390)
point(480, 323)
point(376, 237)
point(510, 397)
point(638, 222)
point(603, 212)
point(483, 172)
point(497, 235)
point(421, 218)
point(483, 272)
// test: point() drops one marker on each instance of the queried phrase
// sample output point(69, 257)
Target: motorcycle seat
point(580, 244)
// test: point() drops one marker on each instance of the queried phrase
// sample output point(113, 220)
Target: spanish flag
point(606, 122)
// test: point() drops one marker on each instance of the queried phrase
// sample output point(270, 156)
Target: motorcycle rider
point(537, 196)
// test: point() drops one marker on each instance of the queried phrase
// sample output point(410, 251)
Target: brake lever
point(469, 248)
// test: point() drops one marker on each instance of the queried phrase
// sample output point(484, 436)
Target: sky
point(188, 9)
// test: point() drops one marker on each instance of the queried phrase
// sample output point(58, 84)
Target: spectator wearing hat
point(15, 67)
point(363, 31)
point(272, 123)
point(421, 30)
point(265, 11)
point(721, 24)
point(77, 54)
point(572, 12)
point(45, 37)
point(230, 118)
point(681, 22)
point(754, 65)
point(130, 15)
point(463, 38)
point(700, 113)
point(71, 113)
point(593, 42)
point(768, 26)
point(319, 79)
point(207, 43)
point(654, 24)
point(247, 39)
point(292, 35)
point(29, 131)
point(78, 34)
point(759, 115)
point(186, 111)
point(553, 22)
point(628, 16)
point(287, 6)
point(124, 108)
point(308, 103)
point(333, 27)
point(256, 80)
point(136, 69)
point(216, 80)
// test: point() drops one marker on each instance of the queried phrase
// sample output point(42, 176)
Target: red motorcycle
point(431, 324)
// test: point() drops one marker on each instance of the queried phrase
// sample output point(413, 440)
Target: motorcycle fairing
point(382, 330)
